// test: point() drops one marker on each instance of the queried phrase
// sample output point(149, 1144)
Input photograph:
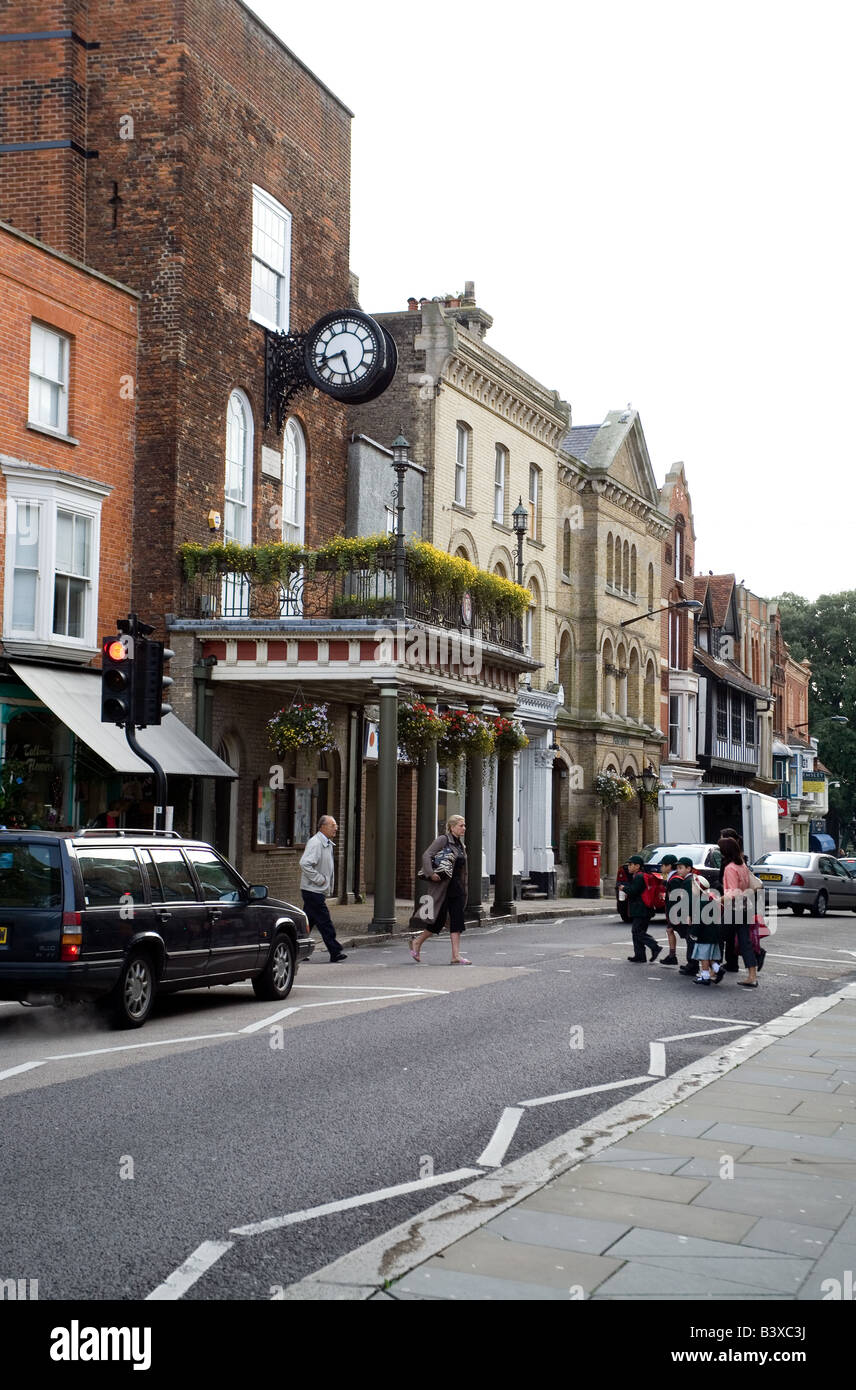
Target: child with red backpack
point(643, 891)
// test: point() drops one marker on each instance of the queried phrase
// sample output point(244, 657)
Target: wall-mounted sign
point(814, 782)
point(783, 805)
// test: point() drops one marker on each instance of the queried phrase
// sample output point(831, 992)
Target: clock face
point(345, 353)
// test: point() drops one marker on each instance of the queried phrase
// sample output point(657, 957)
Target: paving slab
point(645, 1163)
point(775, 1198)
point(726, 1097)
point(810, 1145)
point(493, 1257)
point(639, 1243)
point(780, 1161)
point(430, 1282)
point(787, 1080)
point(760, 1119)
point(795, 1061)
point(682, 1147)
point(639, 1280)
point(528, 1227)
point(789, 1237)
point(633, 1182)
point(675, 1123)
point(643, 1211)
point(831, 1107)
point(782, 1274)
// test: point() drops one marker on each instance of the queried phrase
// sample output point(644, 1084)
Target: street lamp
point(687, 605)
point(643, 786)
point(400, 447)
point(520, 522)
point(827, 719)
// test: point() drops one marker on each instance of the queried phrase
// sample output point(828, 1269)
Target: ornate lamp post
point(690, 605)
point(400, 463)
point(643, 786)
point(520, 522)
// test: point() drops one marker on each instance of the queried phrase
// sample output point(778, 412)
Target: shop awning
point(780, 750)
point(75, 698)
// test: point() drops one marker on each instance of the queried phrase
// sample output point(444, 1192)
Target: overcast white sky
point(654, 199)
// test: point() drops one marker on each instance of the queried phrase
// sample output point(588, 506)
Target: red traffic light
point(116, 650)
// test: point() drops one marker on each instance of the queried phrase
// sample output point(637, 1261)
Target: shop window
point(283, 816)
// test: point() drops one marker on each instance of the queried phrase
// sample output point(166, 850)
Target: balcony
point(353, 588)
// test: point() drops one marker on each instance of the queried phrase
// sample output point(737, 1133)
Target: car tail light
point(72, 936)
point(798, 881)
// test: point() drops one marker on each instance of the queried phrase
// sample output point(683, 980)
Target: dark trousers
point(746, 948)
point(316, 909)
point(641, 936)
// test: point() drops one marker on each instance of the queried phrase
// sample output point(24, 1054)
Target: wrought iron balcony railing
point(360, 591)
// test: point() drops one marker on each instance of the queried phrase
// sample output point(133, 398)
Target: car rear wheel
point(132, 999)
point(798, 911)
point(276, 979)
point(820, 906)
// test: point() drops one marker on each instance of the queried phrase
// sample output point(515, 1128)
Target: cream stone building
point(610, 534)
point(486, 436)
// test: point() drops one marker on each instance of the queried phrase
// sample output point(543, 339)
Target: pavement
point(352, 920)
point(734, 1178)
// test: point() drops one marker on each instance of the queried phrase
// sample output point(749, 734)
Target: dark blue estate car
point(122, 915)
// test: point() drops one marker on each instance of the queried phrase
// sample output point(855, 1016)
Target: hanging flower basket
point(465, 735)
point(508, 737)
point(301, 727)
point(418, 730)
point(612, 790)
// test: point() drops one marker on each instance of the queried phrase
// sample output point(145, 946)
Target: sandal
point(460, 960)
point(415, 957)
point(748, 984)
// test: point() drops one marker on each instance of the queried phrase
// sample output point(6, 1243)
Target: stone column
point(426, 798)
point(473, 811)
point(504, 867)
point(611, 818)
point(387, 811)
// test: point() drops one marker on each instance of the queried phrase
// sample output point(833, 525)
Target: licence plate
point(3, 931)
point(771, 878)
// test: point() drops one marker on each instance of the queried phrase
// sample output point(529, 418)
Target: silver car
point(801, 880)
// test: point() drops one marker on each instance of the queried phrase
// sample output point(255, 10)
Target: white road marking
point(16, 1071)
point(502, 1137)
point(272, 1018)
point(657, 1065)
point(197, 1264)
point(397, 989)
point(703, 1032)
point(827, 960)
point(383, 1194)
point(133, 1047)
point(713, 1018)
point(586, 1091)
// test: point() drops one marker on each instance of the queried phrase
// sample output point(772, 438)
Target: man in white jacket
point(316, 884)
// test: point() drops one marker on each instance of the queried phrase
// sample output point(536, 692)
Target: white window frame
point(62, 382)
point(679, 552)
point(534, 502)
point(263, 200)
point(246, 534)
point(294, 525)
point(675, 726)
point(462, 460)
point(50, 492)
point(500, 484)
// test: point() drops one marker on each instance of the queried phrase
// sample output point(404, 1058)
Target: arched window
point(534, 502)
point(633, 570)
point(461, 553)
point(633, 705)
point(625, 571)
point(293, 484)
point(500, 484)
point(679, 550)
point(608, 680)
point(621, 679)
point(239, 470)
point(499, 570)
point(566, 549)
point(610, 571)
point(462, 463)
point(566, 671)
point(650, 588)
point(533, 622)
point(618, 562)
point(650, 695)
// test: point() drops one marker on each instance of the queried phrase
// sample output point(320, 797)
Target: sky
point(655, 202)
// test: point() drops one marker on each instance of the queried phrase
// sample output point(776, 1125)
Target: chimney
point(469, 292)
point(413, 305)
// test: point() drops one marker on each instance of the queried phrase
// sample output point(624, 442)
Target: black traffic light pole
point(134, 630)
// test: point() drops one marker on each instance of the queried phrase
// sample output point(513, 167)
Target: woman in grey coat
point(444, 876)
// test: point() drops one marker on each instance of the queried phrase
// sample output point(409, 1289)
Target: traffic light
point(150, 682)
point(117, 683)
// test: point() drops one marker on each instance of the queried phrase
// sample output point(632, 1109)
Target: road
point(126, 1155)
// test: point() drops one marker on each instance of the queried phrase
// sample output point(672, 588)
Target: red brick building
point(678, 680)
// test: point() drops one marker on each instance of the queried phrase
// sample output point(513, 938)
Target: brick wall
point(101, 320)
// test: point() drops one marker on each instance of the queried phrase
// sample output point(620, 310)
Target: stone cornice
point(490, 379)
point(603, 486)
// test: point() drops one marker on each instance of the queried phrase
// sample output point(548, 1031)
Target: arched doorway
point(226, 800)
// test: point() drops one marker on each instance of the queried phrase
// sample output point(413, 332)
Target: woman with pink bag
point(739, 888)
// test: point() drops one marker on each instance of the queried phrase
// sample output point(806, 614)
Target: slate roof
point(730, 672)
point(578, 440)
point(721, 588)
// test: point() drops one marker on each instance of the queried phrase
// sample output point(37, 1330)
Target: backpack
point(654, 893)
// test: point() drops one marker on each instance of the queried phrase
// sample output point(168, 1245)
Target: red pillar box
point(589, 865)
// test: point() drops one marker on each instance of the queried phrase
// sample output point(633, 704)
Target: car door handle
point(164, 916)
point(214, 914)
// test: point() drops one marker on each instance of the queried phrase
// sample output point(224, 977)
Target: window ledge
point(42, 647)
point(625, 597)
point(540, 545)
point(501, 526)
point(52, 434)
point(467, 511)
point(266, 323)
point(566, 578)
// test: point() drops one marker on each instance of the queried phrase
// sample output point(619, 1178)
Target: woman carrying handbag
point(443, 892)
point(737, 884)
